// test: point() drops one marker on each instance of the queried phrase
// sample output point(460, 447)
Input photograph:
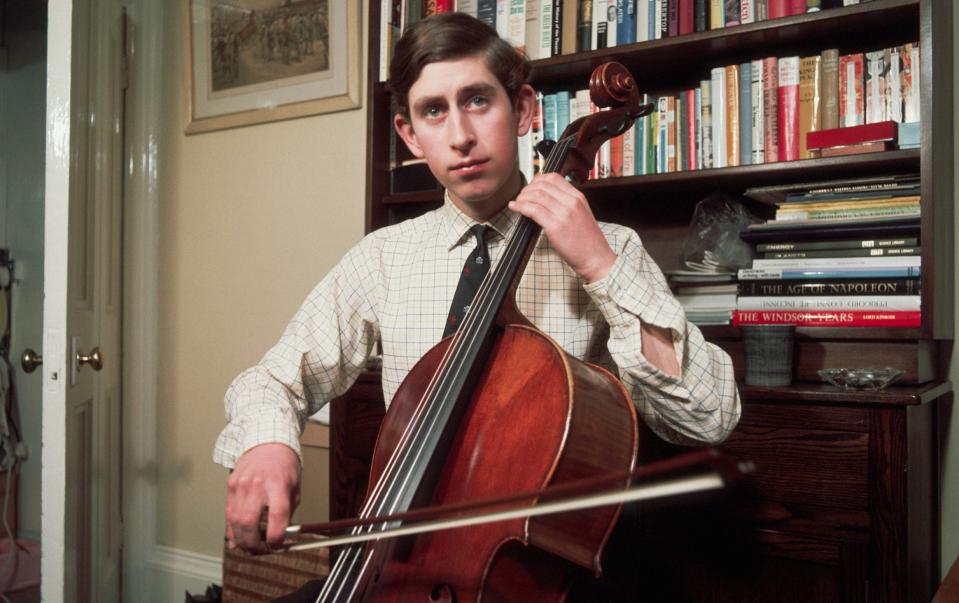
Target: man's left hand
point(563, 212)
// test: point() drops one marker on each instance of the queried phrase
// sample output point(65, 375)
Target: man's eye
point(478, 101)
point(431, 112)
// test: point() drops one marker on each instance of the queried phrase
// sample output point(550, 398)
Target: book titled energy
point(826, 318)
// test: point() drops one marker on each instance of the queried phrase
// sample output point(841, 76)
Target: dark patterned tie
point(475, 268)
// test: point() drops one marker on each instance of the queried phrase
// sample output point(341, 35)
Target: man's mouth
point(468, 167)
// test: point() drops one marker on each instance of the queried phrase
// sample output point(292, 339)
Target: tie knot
point(479, 232)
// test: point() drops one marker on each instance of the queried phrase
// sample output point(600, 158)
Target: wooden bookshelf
point(843, 505)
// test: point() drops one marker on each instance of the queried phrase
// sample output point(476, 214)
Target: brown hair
point(451, 36)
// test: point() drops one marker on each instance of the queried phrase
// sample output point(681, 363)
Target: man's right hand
point(265, 477)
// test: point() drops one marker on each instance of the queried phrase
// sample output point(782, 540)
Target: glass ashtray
point(864, 378)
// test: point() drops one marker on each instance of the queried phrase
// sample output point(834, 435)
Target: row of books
point(810, 276)
point(757, 112)
point(547, 28)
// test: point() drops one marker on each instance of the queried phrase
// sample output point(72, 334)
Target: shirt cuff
point(265, 427)
point(626, 293)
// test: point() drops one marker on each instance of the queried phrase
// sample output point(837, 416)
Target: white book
point(502, 18)
point(875, 65)
point(849, 2)
point(706, 119)
point(545, 28)
point(909, 303)
point(658, 19)
point(599, 31)
point(611, 25)
point(718, 85)
point(642, 20)
point(894, 86)
point(470, 7)
point(758, 129)
point(532, 28)
point(896, 261)
point(747, 12)
point(386, 38)
point(699, 128)
point(912, 97)
point(517, 24)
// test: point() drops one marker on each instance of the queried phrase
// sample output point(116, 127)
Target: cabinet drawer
point(809, 463)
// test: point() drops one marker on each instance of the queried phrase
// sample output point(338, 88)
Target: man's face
point(465, 125)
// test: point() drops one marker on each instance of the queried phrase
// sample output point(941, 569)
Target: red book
point(446, 6)
point(672, 17)
point(877, 132)
point(687, 16)
point(770, 110)
point(778, 8)
point(788, 108)
point(828, 318)
point(797, 7)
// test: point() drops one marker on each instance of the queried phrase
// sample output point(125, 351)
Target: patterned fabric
point(474, 270)
point(396, 285)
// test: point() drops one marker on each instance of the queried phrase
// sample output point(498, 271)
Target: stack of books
point(708, 298)
point(837, 254)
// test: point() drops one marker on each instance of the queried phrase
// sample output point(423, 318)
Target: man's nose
point(462, 135)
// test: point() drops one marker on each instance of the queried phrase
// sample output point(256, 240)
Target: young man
point(462, 98)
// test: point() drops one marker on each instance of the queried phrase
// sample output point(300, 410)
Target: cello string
point(466, 337)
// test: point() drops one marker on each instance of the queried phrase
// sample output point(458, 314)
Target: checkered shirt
point(396, 286)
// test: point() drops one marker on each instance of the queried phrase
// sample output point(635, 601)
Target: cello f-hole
point(443, 593)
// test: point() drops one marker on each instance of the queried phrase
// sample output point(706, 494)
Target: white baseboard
point(172, 571)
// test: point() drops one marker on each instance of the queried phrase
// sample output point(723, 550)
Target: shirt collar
point(457, 224)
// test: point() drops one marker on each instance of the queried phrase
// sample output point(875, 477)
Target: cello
point(495, 409)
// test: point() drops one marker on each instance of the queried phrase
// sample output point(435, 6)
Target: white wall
point(22, 105)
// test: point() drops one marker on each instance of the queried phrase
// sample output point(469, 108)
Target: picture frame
point(256, 61)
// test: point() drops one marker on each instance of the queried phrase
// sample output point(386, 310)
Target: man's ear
point(405, 129)
point(525, 106)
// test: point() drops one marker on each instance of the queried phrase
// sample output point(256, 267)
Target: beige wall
point(251, 219)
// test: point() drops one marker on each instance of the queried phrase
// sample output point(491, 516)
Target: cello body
point(535, 417)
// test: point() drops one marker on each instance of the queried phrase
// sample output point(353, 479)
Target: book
point(569, 23)
point(842, 209)
point(706, 119)
point(909, 135)
point(874, 132)
point(745, 114)
point(584, 31)
point(910, 81)
point(625, 21)
point(731, 14)
point(863, 187)
point(838, 244)
point(829, 302)
point(889, 226)
point(851, 102)
point(788, 108)
point(827, 287)
point(825, 318)
point(843, 253)
point(856, 149)
point(642, 20)
point(600, 22)
point(748, 274)
point(672, 18)
point(732, 115)
point(697, 116)
point(747, 11)
point(550, 118)
point(717, 14)
point(756, 105)
point(718, 90)
point(894, 108)
point(809, 101)
point(874, 85)
point(829, 89)
point(770, 110)
point(820, 264)
point(470, 7)
point(687, 17)
point(486, 12)
point(690, 112)
point(776, 9)
point(699, 15)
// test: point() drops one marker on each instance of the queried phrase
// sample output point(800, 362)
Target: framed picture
point(255, 61)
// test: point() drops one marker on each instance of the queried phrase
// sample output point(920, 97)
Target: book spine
point(443, 6)
point(771, 109)
point(829, 319)
point(809, 101)
point(851, 107)
point(829, 85)
point(751, 274)
point(838, 244)
point(600, 34)
point(910, 81)
point(642, 20)
point(502, 18)
point(828, 287)
point(747, 11)
point(777, 8)
point(550, 123)
point(706, 118)
point(719, 116)
point(671, 134)
point(842, 253)
point(761, 10)
point(756, 105)
point(832, 214)
point(874, 85)
point(562, 112)
point(625, 22)
point(813, 6)
point(717, 14)
point(629, 151)
point(834, 263)
point(788, 108)
point(486, 12)
point(894, 108)
point(690, 113)
point(698, 116)
point(544, 21)
point(662, 18)
point(687, 17)
point(797, 7)
point(732, 115)
point(570, 25)
point(467, 6)
point(584, 32)
point(745, 114)
point(672, 21)
point(429, 8)
point(830, 302)
point(731, 13)
point(662, 140)
point(699, 20)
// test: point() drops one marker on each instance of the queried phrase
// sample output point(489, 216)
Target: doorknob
point(92, 359)
point(30, 360)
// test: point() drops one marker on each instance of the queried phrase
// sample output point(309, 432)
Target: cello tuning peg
point(545, 147)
